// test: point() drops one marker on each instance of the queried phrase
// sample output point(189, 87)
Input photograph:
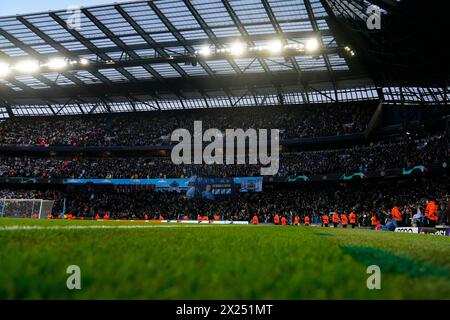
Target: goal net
point(25, 208)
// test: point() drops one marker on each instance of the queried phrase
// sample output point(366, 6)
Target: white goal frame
point(25, 208)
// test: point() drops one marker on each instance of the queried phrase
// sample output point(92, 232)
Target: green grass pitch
point(163, 261)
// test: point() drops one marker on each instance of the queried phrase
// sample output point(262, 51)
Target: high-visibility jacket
point(255, 219)
point(145, 217)
point(352, 217)
point(185, 217)
point(296, 220)
point(106, 217)
point(306, 220)
point(396, 214)
point(276, 219)
point(344, 219)
point(97, 217)
point(335, 217)
point(325, 219)
point(431, 211)
point(375, 222)
point(283, 221)
point(216, 217)
point(49, 216)
point(34, 216)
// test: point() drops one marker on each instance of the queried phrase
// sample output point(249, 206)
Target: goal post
point(25, 208)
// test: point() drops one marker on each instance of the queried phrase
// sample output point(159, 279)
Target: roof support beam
point(120, 43)
point(150, 41)
point(242, 30)
point(55, 45)
point(19, 44)
point(178, 35)
point(312, 18)
point(165, 44)
point(279, 31)
point(92, 48)
point(212, 37)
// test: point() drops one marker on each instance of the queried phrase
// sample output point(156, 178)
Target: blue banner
point(244, 184)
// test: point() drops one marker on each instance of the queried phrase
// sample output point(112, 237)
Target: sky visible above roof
point(9, 8)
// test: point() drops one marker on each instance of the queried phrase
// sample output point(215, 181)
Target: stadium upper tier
point(378, 157)
point(155, 128)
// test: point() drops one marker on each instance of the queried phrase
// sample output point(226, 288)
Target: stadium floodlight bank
point(25, 208)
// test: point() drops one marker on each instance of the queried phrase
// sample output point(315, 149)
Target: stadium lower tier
point(364, 198)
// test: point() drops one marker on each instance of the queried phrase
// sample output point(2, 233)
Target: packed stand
point(380, 156)
point(312, 201)
point(155, 128)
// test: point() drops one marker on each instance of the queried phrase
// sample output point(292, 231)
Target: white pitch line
point(12, 228)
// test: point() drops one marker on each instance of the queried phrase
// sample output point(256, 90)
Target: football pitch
point(136, 260)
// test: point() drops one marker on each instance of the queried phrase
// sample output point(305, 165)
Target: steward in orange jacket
point(276, 219)
point(325, 220)
point(97, 217)
point(375, 223)
point(344, 220)
point(255, 219)
point(352, 218)
point(335, 219)
point(397, 216)
point(306, 221)
point(283, 221)
point(431, 213)
point(296, 220)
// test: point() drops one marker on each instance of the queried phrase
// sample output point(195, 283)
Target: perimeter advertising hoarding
point(242, 184)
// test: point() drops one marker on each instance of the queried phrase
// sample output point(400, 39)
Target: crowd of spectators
point(375, 157)
point(313, 201)
point(155, 128)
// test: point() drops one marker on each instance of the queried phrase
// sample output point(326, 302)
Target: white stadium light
point(27, 66)
point(4, 69)
point(275, 46)
point(205, 51)
point(237, 48)
point(57, 63)
point(84, 62)
point(312, 44)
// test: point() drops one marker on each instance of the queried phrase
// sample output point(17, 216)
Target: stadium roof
point(173, 54)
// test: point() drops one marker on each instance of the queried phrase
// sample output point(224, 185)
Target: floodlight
point(27, 66)
point(4, 69)
point(57, 63)
point(84, 62)
point(275, 46)
point(237, 48)
point(312, 44)
point(205, 51)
